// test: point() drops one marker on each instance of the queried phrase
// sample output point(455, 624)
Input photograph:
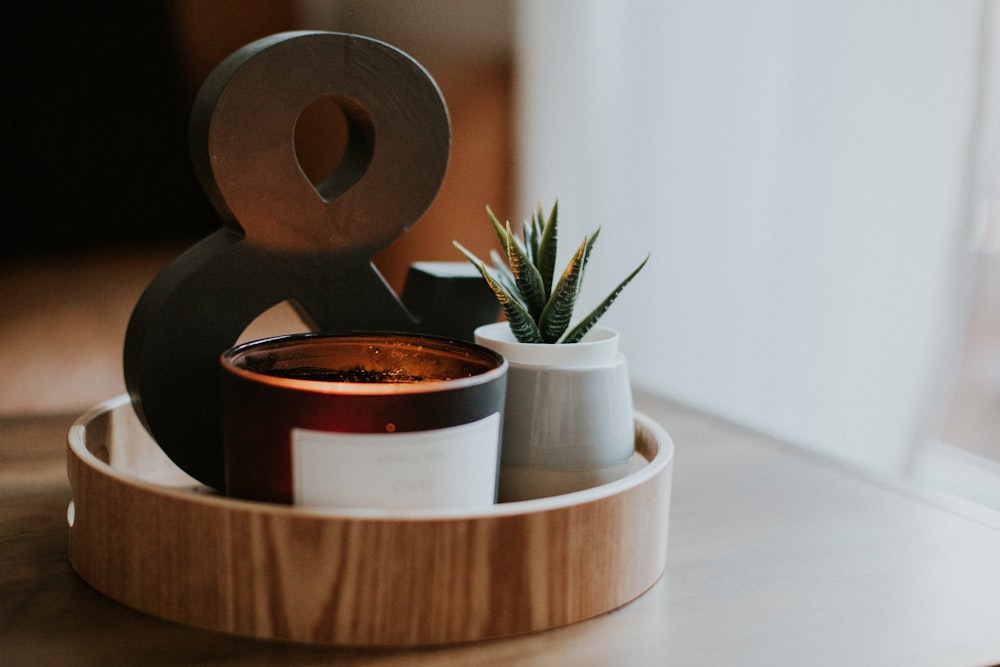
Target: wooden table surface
point(776, 557)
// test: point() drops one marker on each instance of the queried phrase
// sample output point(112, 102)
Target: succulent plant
point(538, 307)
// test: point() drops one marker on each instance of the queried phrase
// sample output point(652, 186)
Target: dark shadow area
point(95, 130)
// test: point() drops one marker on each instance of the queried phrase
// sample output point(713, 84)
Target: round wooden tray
point(145, 534)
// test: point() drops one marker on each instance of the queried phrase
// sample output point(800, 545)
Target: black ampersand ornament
point(284, 239)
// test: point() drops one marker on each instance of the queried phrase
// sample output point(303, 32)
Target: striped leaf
point(502, 272)
point(507, 239)
point(588, 322)
point(522, 324)
point(522, 278)
point(559, 309)
point(526, 276)
point(530, 241)
point(548, 238)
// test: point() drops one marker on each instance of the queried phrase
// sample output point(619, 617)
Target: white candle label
point(449, 467)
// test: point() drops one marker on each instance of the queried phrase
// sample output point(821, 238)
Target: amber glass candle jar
point(375, 421)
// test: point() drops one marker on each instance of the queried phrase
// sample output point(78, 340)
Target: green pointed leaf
point(588, 322)
point(481, 265)
point(523, 274)
point(507, 238)
point(586, 256)
point(500, 229)
point(522, 325)
point(526, 276)
point(519, 319)
point(530, 242)
point(559, 309)
point(548, 238)
point(502, 272)
point(536, 232)
point(468, 254)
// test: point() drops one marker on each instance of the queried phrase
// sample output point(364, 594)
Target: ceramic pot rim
point(598, 347)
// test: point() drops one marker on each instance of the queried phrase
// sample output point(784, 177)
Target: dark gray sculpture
point(284, 238)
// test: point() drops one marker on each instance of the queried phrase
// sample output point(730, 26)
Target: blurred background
point(103, 194)
point(816, 183)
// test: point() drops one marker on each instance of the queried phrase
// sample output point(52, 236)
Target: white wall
point(798, 172)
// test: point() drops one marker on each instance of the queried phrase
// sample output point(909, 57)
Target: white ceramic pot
point(568, 417)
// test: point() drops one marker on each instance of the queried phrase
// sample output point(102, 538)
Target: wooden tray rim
point(659, 439)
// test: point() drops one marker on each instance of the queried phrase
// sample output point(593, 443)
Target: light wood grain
point(150, 538)
point(777, 557)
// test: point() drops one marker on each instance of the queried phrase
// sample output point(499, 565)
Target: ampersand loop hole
point(334, 143)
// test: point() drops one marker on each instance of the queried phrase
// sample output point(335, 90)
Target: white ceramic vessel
point(568, 417)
